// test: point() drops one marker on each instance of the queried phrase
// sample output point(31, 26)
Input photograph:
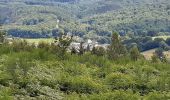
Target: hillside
point(48, 72)
point(34, 18)
point(84, 49)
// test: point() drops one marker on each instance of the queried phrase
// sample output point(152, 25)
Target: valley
point(84, 49)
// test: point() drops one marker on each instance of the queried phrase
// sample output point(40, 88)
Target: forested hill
point(86, 18)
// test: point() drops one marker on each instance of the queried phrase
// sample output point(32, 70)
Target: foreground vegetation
point(48, 72)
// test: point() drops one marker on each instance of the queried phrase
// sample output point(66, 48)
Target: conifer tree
point(134, 53)
point(116, 49)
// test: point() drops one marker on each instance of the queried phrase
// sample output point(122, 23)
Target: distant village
point(77, 41)
point(87, 44)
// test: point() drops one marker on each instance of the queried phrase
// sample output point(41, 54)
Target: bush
point(21, 45)
point(44, 45)
point(42, 54)
point(99, 51)
point(5, 49)
point(94, 60)
point(5, 93)
point(119, 81)
point(115, 95)
point(157, 96)
point(80, 84)
point(17, 67)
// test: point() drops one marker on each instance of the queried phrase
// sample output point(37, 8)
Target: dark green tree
point(88, 48)
point(134, 53)
point(159, 53)
point(164, 46)
point(155, 58)
point(168, 41)
point(2, 36)
point(99, 51)
point(81, 50)
point(73, 50)
point(93, 50)
point(116, 48)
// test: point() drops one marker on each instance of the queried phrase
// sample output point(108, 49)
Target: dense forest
point(97, 18)
point(48, 72)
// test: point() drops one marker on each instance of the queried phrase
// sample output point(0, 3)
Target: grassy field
point(148, 54)
point(36, 41)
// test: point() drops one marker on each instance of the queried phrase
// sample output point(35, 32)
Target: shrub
point(94, 60)
point(134, 53)
point(157, 96)
point(119, 81)
point(5, 49)
point(17, 67)
point(21, 45)
point(99, 51)
point(42, 54)
point(5, 94)
point(155, 59)
point(44, 45)
point(115, 95)
point(80, 84)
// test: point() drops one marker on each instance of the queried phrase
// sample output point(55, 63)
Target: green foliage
point(39, 74)
point(119, 81)
point(44, 45)
point(5, 93)
point(21, 45)
point(116, 49)
point(17, 67)
point(134, 53)
point(81, 51)
point(35, 19)
point(115, 95)
point(91, 60)
point(5, 49)
point(157, 96)
point(80, 84)
point(164, 46)
point(2, 36)
point(63, 42)
point(159, 53)
point(99, 51)
point(155, 59)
